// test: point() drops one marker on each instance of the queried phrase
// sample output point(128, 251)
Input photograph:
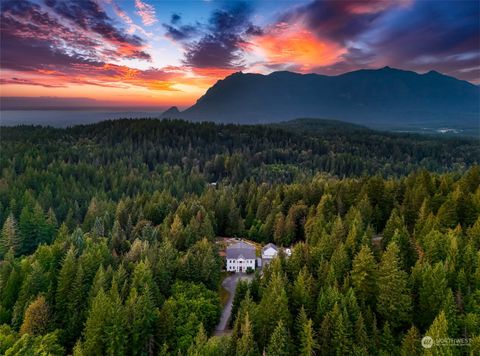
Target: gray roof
point(269, 245)
point(241, 249)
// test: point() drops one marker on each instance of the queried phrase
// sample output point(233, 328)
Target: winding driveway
point(230, 284)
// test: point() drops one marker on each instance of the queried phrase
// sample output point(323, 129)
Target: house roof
point(267, 246)
point(241, 249)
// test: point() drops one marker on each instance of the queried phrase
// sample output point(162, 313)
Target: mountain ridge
point(372, 97)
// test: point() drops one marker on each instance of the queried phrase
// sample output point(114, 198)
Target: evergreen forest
point(108, 242)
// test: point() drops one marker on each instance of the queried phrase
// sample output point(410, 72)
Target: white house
point(240, 256)
point(269, 251)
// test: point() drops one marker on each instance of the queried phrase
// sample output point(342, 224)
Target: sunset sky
point(161, 53)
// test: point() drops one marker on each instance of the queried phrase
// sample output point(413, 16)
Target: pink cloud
point(132, 27)
point(146, 12)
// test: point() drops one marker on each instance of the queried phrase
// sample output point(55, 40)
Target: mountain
point(384, 98)
point(171, 113)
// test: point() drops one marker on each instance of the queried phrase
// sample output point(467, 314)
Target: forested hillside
point(108, 239)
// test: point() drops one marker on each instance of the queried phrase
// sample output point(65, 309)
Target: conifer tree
point(338, 230)
point(75, 315)
point(325, 335)
point(300, 321)
point(340, 333)
point(439, 330)
point(361, 340)
point(408, 253)
point(115, 327)
point(355, 232)
point(411, 343)
point(326, 300)
point(375, 344)
point(165, 266)
point(308, 344)
point(118, 241)
point(142, 279)
point(279, 230)
point(364, 275)
point(52, 222)
point(94, 332)
point(28, 230)
point(28, 344)
point(99, 282)
point(142, 316)
point(394, 301)
point(361, 337)
point(302, 291)
point(201, 263)
point(474, 232)
point(447, 216)
point(273, 308)
point(35, 282)
point(450, 309)
point(394, 223)
point(64, 286)
point(279, 342)
point(199, 343)
point(432, 293)
point(387, 341)
point(339, 264)
point(37, 317)
point(177, 234)
point(9, 237)
point(246, 343)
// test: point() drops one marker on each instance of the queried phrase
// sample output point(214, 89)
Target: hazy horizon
point(85, 103)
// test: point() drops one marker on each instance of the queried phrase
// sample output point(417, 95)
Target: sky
point(162, 53)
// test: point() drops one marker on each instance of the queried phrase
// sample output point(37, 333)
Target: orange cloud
point(294, 44)
point(177, 85)
point(212, 74)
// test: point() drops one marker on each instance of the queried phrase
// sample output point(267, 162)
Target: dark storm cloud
point(221, 45)
point(88, 15)
point(178, 32)
point(28, 37)
point(340, 21)
point(441, 28)
point(22, 54)
point(84, 12)
point(253, 30)
point(415, 35)
point(439, 35)
point(175, 19)
point(36, 37)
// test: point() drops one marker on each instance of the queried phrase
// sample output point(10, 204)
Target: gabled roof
point(241, 249)
point(267, 246)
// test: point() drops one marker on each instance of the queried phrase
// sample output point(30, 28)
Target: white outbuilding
point(269, 251)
